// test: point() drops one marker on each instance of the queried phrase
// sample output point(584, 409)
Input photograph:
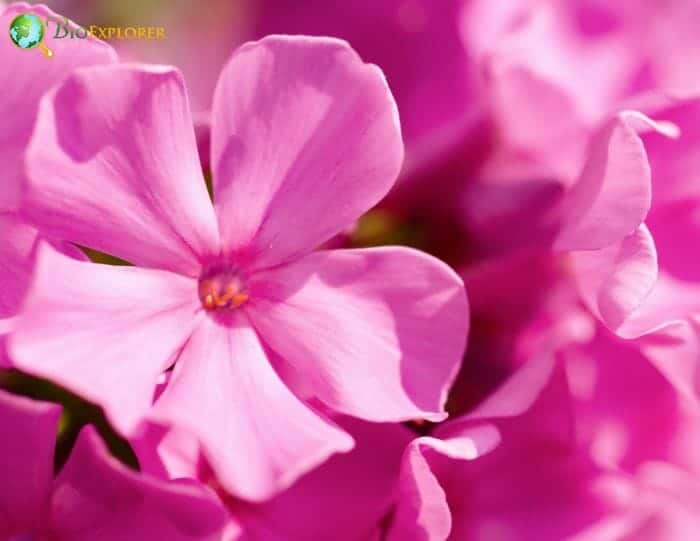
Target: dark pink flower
point(93, 492)
point(305, 138)
point(566, 450)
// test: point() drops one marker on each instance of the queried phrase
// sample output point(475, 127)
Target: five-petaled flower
point(232, 297)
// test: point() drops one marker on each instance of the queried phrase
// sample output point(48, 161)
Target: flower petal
point(258, 437)
point(437, 100)
point(377, 333)
point(674, 350)
point(95, 493)
point(104, 332)
point(28, 434)
point(615, 281)
point(28, 76)
point(305, 139)
point(612, 196)
point(16, 260)
point(113, 165)
point(421, 512)
point(344, 499)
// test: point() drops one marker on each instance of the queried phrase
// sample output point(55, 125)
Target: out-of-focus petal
point(28, 433)
point(104, 332)
point(305, 139)
point(615, 281)
point(612, 196)
point(665, 505)
point(28, 75)
point(614, 420)
point(535, 472)
point(113, 165)
point(97, 497)
point(675, 162)
point(437, 101)
point(514, 397)
point(675, 351)
point(257, 436)
point(377, 333)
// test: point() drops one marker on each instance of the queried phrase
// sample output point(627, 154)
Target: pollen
point(222, 291)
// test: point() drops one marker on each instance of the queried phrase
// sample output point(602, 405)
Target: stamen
point(239, 299)
point(222, 290)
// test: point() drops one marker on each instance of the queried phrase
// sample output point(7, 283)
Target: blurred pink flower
point(93, 492)
point(645, 286)
point(568, 449)
point(566, 68)
point(618, 193)
point(305, 138)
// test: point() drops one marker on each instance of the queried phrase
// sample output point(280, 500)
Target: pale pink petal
point(104, 332)
point(305, 139)
point(28, 434)
point(422, 512)
point(674, 224)
point(16, 261)
point(168, 452)
point(612, 196)
point(258, 437)
point(520, 99)
point(615, 281)
point(29, 74)
point(96, 497)
point(377, 333)
point(17, 254)
point(113, 165)
point(7, 325)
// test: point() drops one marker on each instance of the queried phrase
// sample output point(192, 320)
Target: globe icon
point(26, 31)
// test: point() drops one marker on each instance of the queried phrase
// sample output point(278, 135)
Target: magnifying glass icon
point(27, 32)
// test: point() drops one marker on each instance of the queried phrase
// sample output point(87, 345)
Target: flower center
point(222, 289)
